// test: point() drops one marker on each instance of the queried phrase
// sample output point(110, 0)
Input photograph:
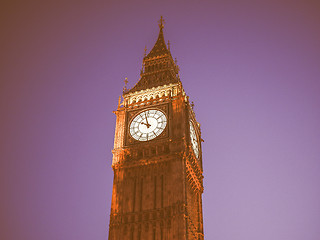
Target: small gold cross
point(161, 22)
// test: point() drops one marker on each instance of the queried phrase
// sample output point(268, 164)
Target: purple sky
point(251, 67)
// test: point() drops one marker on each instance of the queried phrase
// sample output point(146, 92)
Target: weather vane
point(161, 22)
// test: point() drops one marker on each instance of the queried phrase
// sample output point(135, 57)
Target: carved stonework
point(153, 94)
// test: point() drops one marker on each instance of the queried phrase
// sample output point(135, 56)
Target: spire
point(159, 47)
point(159, 67)
point(125, 84)
point(145, 51)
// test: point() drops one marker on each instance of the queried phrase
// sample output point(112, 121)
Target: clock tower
point(157, 157)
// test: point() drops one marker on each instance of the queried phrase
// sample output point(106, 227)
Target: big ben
point(157, 157)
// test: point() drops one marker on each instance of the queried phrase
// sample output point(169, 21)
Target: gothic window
point(153, 151)
point(166, 149)
point(146, 152)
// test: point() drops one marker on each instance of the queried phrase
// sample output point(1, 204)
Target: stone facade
point(158, 184)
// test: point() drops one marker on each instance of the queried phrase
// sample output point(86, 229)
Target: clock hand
point(148, 125)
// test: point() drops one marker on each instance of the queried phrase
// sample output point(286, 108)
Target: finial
point(119, 101)
point(161, 22)
point(192, 105)
point(176, 65)
point(145, 51)
point(168, 45)
point(125, 84)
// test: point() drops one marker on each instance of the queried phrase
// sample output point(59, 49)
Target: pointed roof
point(158, 66)
point(159, 48)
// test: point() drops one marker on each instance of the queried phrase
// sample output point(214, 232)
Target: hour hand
point(147, 124)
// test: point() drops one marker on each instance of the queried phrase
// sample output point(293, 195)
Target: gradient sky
point(251, 67)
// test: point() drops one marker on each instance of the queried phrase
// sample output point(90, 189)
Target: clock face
point(148, 124)
point(194, 140)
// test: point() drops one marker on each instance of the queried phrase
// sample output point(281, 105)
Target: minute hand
point(148, 125)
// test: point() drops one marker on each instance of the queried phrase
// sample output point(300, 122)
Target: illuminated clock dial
point(194, 140)
point(148, 124)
